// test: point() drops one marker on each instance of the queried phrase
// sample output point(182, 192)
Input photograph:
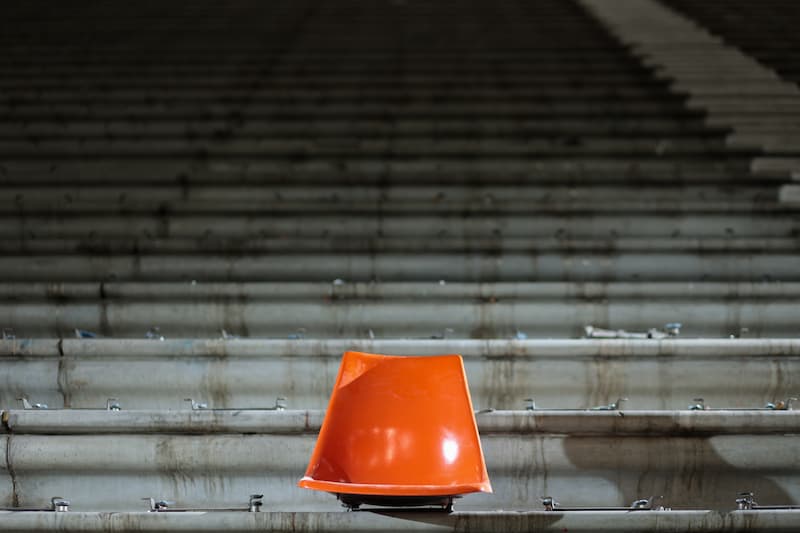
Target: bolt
point(59, 504)
point(745, 501)
point(610, 407)
point(642, 504)
point(699, 405)
point(549, 503)
point(530, 404)
point(255, 503)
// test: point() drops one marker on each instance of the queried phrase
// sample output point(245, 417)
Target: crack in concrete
point(9, 466)
point(62, 376)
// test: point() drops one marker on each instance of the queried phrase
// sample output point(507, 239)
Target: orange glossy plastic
point(399, 426)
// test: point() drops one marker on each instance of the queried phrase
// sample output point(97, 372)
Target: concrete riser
point(502, 374)
point(114, 472)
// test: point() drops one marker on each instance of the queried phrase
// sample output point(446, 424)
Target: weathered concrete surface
point(401, 521)
point(343, 290)
point(7, 481)
point(423, 309)
point(458, 266)
point(433, 198)
point(359, 171)
point(404, 318)
point(148, 374)
point(623, 422)
point(634, 222)
point(587, 466)
point(693, 58)
point(550, 244)
point(558, 107)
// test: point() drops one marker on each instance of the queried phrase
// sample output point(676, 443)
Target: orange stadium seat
point(399, 430)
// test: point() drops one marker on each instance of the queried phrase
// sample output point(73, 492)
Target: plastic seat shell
point(399, 426)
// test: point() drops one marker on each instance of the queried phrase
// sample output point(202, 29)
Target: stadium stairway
point(258, 187)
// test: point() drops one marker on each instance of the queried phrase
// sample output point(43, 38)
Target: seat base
point(354, 501)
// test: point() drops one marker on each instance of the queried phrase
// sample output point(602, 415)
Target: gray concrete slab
point(460, 266)
point(113, 472)
point(623, 422)
point(149, 374)
point(399, 521)
point(401, 318)
point(691, 56)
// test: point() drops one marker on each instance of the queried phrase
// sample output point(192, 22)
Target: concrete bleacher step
point(206, 458)
point(763, 30)
point(317, 128)
point(506, 245)
point(360, 171)
point(345, 224)
point(622, 521)
point(251, 373)
point(358, 93)
point(656, 32)
point(397, 310)
point(460, 266)
point(352, 148)
point(348, 175)
point(432, 198)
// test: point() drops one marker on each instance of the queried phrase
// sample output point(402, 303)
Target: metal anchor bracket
point(196, 405)
point(255, 503)
point(550, 504)
point(162, 506)
point(280, 404)
point(157, 506)
point(782, 405)
point(26, 404)
point(698, 405)
point(59, 504)
point(614, 406)
point(746, 501)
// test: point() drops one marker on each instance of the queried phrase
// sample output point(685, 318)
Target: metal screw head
point(641, 504)
point(160, 505)
point(700, 404)
point(549, 503)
